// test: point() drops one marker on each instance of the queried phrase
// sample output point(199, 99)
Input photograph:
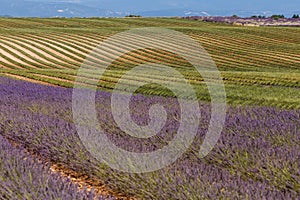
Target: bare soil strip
point(83, 181)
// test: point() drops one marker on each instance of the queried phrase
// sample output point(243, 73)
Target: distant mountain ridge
point(18, 8)
point(21, 8)
point(186, 12)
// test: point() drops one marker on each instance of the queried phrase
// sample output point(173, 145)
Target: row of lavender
point(257, 156)
point(24, 177)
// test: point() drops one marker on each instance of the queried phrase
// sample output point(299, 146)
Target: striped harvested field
point(260, 66)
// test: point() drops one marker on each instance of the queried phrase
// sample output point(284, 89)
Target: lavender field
point(43, 154)
point(257, 156)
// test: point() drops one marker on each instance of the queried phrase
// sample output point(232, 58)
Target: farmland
point(256, 157)
point(262, 64)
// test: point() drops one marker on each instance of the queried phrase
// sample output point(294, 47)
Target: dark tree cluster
point(258, 17)
point(133, 15)
point(295, 16)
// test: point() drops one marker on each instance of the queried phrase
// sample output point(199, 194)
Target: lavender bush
point(24, 177)
point(257, 156)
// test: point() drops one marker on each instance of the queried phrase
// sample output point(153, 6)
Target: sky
point(146, 5)
point(87, 8)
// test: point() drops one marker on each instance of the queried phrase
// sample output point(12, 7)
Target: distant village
point(274, 20)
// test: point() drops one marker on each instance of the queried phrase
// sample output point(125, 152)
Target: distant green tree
point(254, 16)
point(277, 17)
point(235, 16)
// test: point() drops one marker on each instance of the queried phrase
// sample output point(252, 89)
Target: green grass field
point(259, 65)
